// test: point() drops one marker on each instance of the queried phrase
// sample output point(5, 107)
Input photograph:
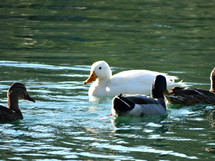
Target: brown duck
point(188, 96)
point(12, 112)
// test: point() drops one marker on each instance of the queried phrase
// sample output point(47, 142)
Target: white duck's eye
point(100, 67)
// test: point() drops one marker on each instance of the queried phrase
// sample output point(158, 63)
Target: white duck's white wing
point(131, 82)
point(144, 76)
point(135, 82)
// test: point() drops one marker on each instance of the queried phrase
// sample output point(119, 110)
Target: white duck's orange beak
point(91, 78)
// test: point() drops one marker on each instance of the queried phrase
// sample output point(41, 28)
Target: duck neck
point(212, 84)
point(105, 79)
point(159, 96)
point(162, 102)
point(156, 94)
point(13, 102)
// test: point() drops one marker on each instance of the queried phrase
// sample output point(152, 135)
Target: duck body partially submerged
point(140, 105)
point(189, 96)
point(137, 105)
point(12, 112)
point(126, 82)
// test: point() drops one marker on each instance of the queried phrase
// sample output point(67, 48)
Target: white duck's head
point(100, 70)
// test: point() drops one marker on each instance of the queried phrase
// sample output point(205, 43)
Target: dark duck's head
point(17, 91)
point(159, 86)
point(12, 112)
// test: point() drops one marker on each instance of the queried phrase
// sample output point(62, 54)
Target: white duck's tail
point(171, 82)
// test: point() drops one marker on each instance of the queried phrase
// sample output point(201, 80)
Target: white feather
point(126, 82)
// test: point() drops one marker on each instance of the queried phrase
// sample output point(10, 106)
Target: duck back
point(7, 114)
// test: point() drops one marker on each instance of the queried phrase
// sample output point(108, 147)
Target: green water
point(50, 45)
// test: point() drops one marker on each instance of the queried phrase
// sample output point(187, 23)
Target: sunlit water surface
point(50, 46)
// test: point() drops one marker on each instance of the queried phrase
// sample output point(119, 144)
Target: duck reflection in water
point(212, 118)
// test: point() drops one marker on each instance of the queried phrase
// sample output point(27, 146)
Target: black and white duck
point(140, 105)
point(12, 112)
point(189, 96)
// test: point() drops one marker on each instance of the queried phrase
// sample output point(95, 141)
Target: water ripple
point(21, 64)
point(64, 124)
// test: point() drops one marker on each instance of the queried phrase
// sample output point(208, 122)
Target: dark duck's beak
point(166, 92)
point(28, 98)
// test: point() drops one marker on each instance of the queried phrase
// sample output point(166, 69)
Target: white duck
point(139, 105)
point(127, 82)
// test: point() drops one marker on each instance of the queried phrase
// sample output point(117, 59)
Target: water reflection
point(137, 121)
point(212, 117)
point(20, 64)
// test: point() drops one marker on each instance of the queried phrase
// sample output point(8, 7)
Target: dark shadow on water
point(192, 107)
point(15, 123)
point(128, 122)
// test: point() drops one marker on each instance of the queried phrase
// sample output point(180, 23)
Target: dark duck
point(12, 112)
point(140, 105)
point(189, 96)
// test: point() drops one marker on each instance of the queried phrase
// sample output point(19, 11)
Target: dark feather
point(188, 96)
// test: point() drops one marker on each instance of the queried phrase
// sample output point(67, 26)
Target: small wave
point(22, 64)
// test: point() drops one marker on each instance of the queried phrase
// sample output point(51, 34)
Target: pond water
point(50, 46)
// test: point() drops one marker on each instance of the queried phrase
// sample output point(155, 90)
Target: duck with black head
point(12, 112)
point(189, 96)
point(140, 105)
